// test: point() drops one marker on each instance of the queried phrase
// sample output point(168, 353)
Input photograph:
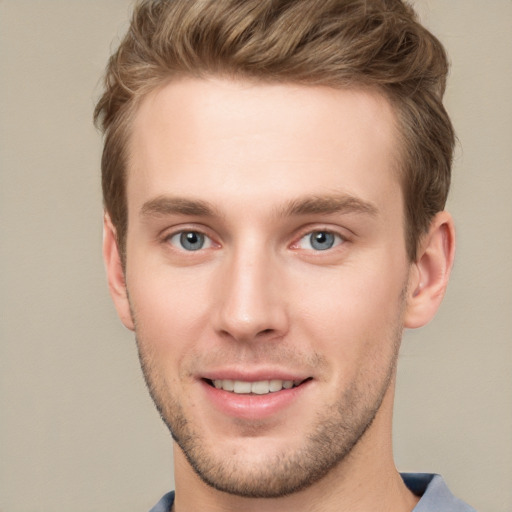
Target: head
point(274, 175)
point(376, 45)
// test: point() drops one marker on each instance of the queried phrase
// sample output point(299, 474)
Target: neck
point(365, 481)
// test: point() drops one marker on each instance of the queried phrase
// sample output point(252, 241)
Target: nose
point(251, 300)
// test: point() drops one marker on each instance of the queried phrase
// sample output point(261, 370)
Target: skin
point(257, 169)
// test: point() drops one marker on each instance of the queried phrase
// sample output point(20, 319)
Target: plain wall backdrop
point(77, 429)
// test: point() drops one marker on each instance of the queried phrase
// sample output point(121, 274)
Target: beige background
point(77, 431)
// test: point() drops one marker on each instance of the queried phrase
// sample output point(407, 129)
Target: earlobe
point(430, 273)
point(115, 273)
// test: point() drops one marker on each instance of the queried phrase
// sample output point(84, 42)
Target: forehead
point(236, 139)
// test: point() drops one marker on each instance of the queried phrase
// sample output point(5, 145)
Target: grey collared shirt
point(435, 495)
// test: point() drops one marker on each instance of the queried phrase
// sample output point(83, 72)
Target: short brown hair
point(337, 43)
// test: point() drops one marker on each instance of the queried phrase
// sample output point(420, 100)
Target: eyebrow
point(168, 205)
point(310, 205)
point(325, 205)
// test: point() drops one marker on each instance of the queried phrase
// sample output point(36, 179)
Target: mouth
point(259, 387)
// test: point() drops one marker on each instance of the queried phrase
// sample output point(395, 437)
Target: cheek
point(353, 315)
point(170, 308)
point(358, 296)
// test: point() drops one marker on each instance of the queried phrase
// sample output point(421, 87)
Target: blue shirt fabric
point(435, 495)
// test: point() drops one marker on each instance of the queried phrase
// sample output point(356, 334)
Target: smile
point(254, 398)
point(260, 387)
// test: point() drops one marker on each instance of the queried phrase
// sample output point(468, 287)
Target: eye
point(190, 240)
point(320, 241)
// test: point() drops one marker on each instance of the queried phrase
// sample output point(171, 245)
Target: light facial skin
point(268, 285)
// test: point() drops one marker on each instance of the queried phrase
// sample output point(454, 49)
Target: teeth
point(242, 387)
point(228, 385)
point(275, 385)
point(260, 387)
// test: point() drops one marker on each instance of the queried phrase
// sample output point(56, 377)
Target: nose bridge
point(251, 304)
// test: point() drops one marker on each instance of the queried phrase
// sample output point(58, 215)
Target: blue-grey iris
point(321, 240)
point(192, 240)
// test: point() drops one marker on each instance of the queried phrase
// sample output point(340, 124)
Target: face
point(266, 272)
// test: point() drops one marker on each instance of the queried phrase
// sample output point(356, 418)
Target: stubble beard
point(337, 429)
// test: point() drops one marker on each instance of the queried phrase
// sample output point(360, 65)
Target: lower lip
point(251, 406)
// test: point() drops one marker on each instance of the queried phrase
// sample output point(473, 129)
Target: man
point(274, 178)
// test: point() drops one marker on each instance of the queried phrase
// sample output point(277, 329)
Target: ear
point(115, 273)
point(430, 273)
